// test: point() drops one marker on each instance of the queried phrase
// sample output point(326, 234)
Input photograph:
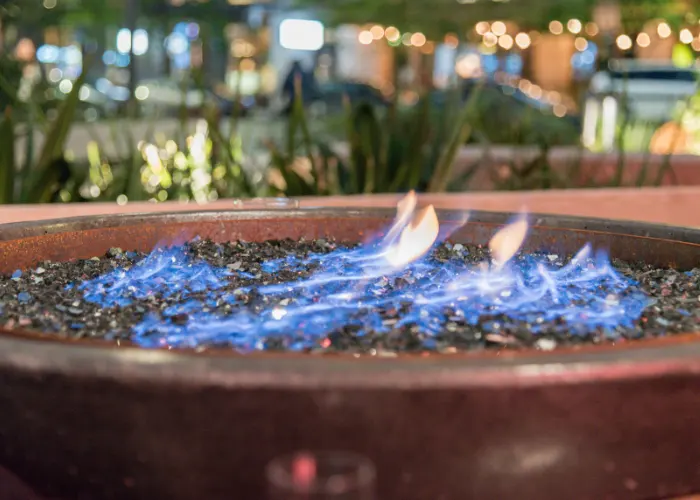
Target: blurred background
point(124, 100)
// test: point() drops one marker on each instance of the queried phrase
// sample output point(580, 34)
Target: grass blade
point(460, 135)
point(44, 176)
point(7, 158)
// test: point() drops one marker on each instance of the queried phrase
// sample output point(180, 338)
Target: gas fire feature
point(388, 295)
point(476, 370)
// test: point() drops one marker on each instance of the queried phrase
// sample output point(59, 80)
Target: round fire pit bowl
point(89, 419)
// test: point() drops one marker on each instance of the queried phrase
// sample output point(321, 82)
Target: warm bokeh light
point(554, 97)
point(365, 37)
point(468, 66)
point(428, 48)
point(624, 42)
point(25, 50)
point(574, 26)
point(685, 36)
point(506, 42)
point(643, 40)
point(559, 110)
point(451, 40)
point(664, 30)
point(556, 28)
point(418, 39)
point(522, 40)
point(490, 40)
point(498, 28)
point(524, 86)
point(392, 34)
point(592, 29)
point(482, 27)
point(581, 44)
point(248, 65)
point(377, 32)
point(696, 44)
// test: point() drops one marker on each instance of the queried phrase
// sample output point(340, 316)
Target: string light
point(490, 39)
point(592, 29)
point(482, 27)
point(392, 34)
point(498, 28)
point(554, 97)
point(506, 42)
point(495, 34)
point(451, 40)
point(559, 110)
point(556, 27)
point(664, 30)
point(624, 42)
point(574, 26)
point(522, 40)
point(643, 40)
point(468, 66)
point(365, 37)
point(418, 39)
point(377, 32)
point(685, 36)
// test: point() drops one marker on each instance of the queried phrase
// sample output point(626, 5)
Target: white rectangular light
point(301, 34)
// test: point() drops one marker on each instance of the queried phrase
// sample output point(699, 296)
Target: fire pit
point(469, 409)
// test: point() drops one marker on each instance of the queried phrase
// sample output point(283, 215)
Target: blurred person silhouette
point(308, 88)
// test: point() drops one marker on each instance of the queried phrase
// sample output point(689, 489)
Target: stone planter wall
point(578, 168)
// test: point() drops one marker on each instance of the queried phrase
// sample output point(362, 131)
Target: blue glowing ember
point(301, 302)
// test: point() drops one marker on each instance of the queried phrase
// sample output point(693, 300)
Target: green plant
point(364, 150)
point(7, 158)
point(40, 179)
point(403, 149)
point(231, 179)
point(293, 169)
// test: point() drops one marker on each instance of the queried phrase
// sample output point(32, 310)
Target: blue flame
point(355, 289)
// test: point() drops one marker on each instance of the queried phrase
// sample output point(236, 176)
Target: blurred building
point(249, 45)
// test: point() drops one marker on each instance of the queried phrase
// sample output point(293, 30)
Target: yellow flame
point(404, 211)
point(416, 238)
point(506, 242)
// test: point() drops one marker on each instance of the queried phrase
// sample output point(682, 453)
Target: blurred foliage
point(438, 17)
point(501, 119)
point(432, 17)
point(376, 148)
point(201, 165)
point(10, 71)
point(40, 178)
point(396, 152)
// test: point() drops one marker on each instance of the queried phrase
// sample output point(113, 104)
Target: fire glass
point(324, 475)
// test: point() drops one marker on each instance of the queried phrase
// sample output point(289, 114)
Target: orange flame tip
point(416, 239)
point(506, 242)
